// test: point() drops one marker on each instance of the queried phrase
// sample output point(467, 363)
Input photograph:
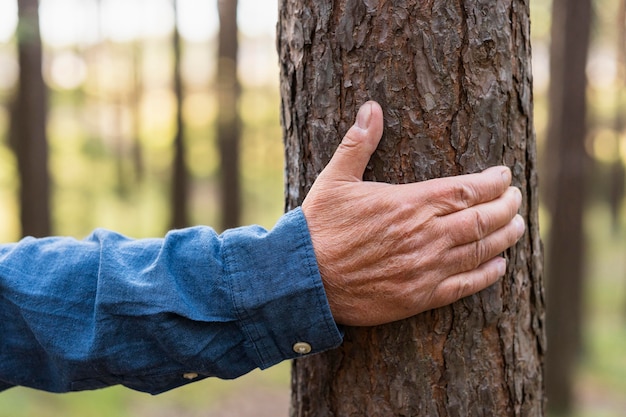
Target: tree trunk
point(566, 175)
point(617, 173)
point(136, 96)
point(229, 124)
point(180, 175)
point(28, 131)
point(454, 80)
point(618, 184)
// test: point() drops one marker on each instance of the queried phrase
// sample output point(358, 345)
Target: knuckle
point(463, 193)
point(478, 254)
point(465, 287)
point(472, 226)
point(480, 224)
point(349, 142)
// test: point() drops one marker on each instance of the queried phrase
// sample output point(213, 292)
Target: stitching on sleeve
point(242, 315)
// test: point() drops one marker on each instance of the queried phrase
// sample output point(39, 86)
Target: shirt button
point(190, 375)
point(302, 348)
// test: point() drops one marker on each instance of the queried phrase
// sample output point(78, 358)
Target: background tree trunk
point(229, 124)
point(135, 99)
point(180, 175)
point(618, 183)
point(28, 131)
point(454, 80)
point(617, 174)
point(566, 175)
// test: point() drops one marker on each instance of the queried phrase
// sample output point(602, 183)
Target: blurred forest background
point(152, 114)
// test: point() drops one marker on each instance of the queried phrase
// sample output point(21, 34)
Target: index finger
point(451, 194)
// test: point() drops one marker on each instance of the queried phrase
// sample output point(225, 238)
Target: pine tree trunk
point(454, 80)
point(28, 130)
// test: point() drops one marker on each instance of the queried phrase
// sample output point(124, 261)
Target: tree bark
point(28, 131)
point(454, 80)
point(229, 124)
point(567, 169)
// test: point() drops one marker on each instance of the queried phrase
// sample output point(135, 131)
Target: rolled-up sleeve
point(155, 314)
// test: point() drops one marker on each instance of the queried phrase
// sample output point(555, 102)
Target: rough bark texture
point(567, 168)
point(28, 130)
point(454, 79)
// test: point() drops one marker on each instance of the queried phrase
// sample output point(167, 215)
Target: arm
point(155, 314)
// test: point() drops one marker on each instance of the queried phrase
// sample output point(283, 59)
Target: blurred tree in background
point(228, 119)
point(566, 183)
point(28, 125)
point(180, 177)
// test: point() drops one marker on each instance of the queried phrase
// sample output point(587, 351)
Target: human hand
point(388, 252)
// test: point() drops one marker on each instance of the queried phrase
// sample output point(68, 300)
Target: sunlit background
point(108, 65)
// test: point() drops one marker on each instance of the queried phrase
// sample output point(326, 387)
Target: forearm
point(159, 313)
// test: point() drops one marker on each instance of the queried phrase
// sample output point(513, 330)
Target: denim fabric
point(155, 314)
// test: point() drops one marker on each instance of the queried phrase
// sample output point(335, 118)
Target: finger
point(471, 255)
point(465, 284)
point(356, 148)
point(452, 194)
point(477, 222)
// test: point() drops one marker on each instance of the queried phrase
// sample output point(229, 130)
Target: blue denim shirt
point(155, 314)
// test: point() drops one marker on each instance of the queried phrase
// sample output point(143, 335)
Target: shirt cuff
point(277, 290)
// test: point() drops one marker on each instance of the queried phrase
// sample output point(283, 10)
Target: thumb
point(356, 148)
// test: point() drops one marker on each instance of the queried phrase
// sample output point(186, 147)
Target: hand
point(388, 252)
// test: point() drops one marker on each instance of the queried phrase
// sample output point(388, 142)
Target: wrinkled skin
point(388, 252)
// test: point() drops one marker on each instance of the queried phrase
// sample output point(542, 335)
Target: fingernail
point(520, 225)
point(502, 267)
point(364, 116)
point(518, 196)
point(506, 175)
